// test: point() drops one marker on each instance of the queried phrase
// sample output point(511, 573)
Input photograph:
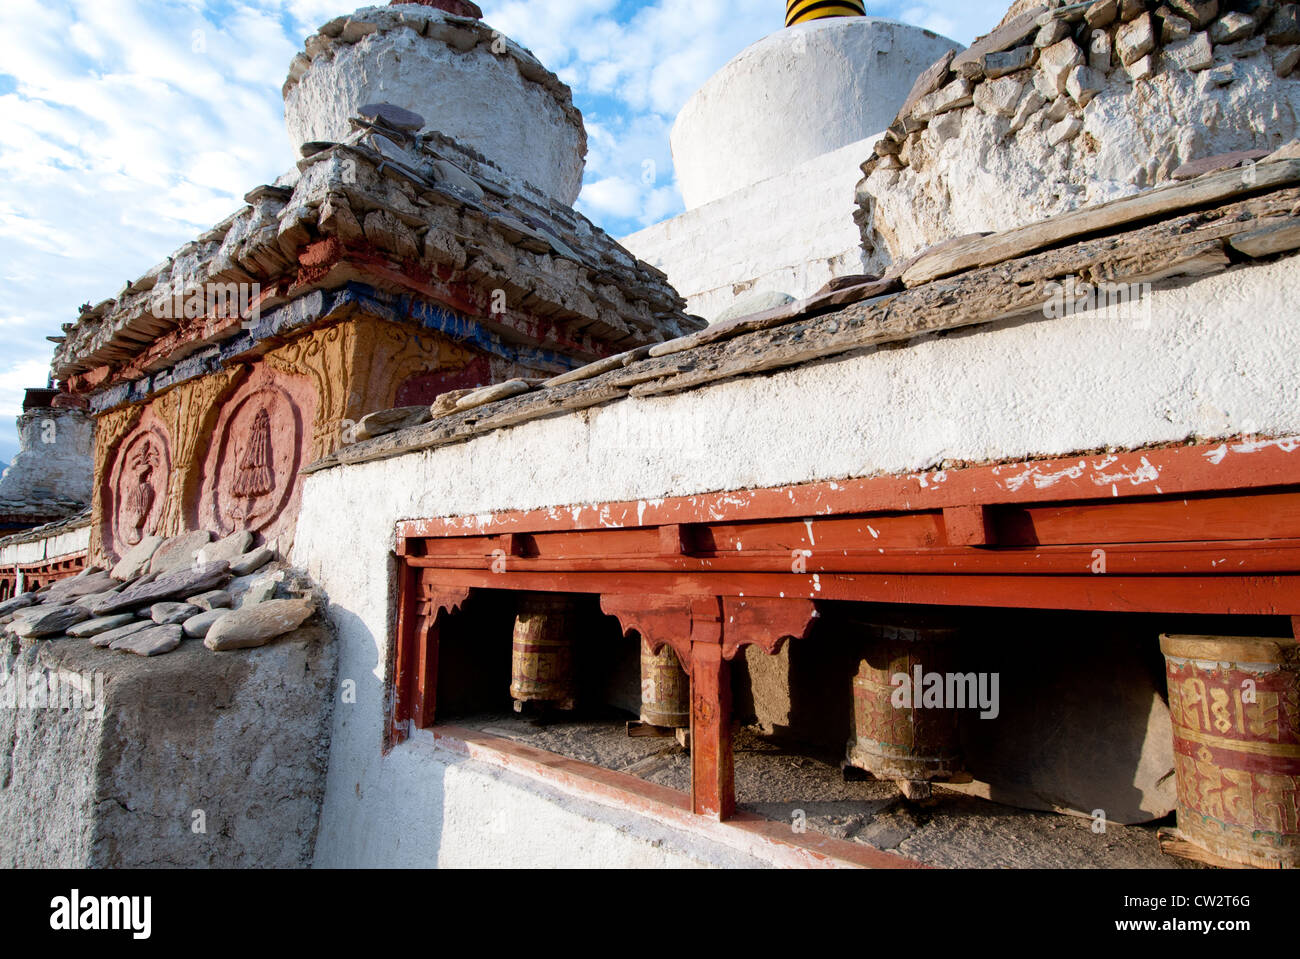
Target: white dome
point(794, 95)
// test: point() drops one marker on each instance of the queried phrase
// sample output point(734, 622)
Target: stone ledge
point(242, 738)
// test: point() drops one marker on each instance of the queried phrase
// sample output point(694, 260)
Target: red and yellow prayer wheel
point(665, 689)
point(802, 11)
point(541, 659)
point(1235, 705)
point(897, 734)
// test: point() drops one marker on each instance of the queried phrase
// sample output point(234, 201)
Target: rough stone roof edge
point(48, 530)
point(212, 258)
point(1253, 218)
point(1020, 29)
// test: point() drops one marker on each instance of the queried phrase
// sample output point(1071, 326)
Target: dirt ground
point(777, 780)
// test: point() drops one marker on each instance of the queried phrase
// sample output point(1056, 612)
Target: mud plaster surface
point(774, 780)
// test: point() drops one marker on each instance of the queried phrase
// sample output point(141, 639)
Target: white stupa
point(468, 81)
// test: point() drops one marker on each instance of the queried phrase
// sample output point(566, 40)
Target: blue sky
point(128, 127)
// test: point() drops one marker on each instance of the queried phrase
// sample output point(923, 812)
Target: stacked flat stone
point(1066, 105)
point(421, 200)
point(165, 591)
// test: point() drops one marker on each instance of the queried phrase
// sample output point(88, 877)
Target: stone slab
point(212, 599)
point(1104, 216)
point(178, 551)
point(52, 622)
point(100, 624)
point(196, 627)
point(136, 559)
point(257, 625)
point(165, 614)
point(227, 548)
point(110, 636)
point(151, 641)
point(181, 582)
point(252, 561)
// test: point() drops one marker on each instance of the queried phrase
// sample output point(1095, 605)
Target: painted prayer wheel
point(901, 737)
point(1235, 705)
point(802, 11)
point(665, 688)
point(541, 660)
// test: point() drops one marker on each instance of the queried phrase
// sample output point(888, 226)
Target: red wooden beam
point(1241, 557)
point(1169, 472)
point(1270, 595)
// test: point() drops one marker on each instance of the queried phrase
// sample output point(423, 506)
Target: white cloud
point(613, 195)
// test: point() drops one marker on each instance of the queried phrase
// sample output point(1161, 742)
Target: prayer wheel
point(541, 661)
point(1235, 706)
point(899, 732)
point(665, 688)
point(802, 11)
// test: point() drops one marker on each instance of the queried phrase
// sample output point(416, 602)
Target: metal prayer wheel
point(665, 688)
point(1235, 706)
point(897, 736)
point(541, 659)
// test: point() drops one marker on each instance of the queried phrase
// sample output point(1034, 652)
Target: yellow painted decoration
point(802, 11)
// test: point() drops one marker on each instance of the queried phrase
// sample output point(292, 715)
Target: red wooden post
point(430, 604)
point(426, 669)
point(408, 580)
point(713, 788)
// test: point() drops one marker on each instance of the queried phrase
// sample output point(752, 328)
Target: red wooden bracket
point(968, 525)
point(659, 620)
point(436, 599)
point(764, 622)
point(415, 660)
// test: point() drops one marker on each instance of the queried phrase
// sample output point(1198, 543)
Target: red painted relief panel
point(137, 485)
point(259, 442)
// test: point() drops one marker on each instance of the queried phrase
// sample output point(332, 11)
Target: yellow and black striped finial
point(801, 11)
